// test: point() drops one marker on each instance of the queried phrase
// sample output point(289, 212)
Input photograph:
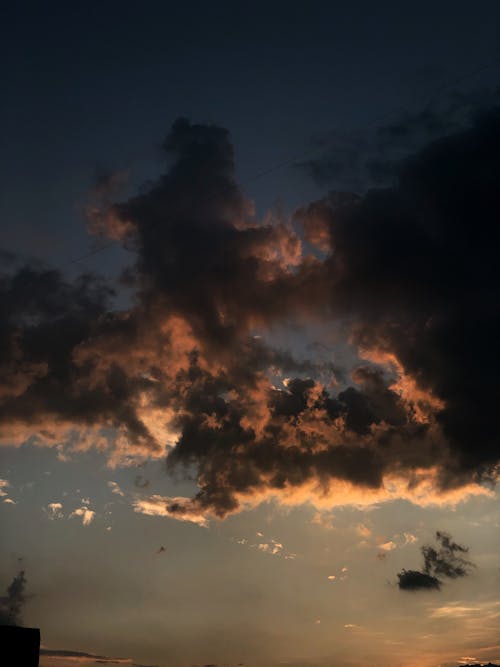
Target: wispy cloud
point(115, 488)
point(59, 656)
point(166, 506)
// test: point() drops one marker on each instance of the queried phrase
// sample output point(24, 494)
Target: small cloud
point(4, 484)
point(272, 547)
point(409, 538)
point(82, 657)
point(363, 530)
point(54, 511)
point(387, 546)
point(331, 577)
point(317, 621)
point(351, 626)
point(175, 508)
point(344, 569)
point(259, 534)
point(115, 488)
point(87, 515)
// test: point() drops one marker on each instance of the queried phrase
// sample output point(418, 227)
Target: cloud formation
point(406, 274)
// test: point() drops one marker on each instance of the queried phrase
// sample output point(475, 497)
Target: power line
point(291, 160)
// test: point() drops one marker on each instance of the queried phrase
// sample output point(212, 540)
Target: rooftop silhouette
point(20, 646)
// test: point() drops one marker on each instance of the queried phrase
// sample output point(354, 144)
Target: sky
point(248, 330)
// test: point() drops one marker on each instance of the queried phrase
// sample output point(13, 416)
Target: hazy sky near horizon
point(224, 435)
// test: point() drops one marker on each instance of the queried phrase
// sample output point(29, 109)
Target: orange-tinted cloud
point(187, 371)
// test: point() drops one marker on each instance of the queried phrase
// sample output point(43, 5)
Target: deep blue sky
point(88, 86)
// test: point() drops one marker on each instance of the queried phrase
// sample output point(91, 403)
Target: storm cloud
point(191, 370)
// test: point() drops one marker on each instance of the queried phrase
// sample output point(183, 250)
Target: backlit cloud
point(406, 274)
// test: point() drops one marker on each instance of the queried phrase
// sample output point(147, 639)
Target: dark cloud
point(360, 160)
point(407, 273)
point(446, 561)
point(44, 320)
point(12, 605)
point(412, 269)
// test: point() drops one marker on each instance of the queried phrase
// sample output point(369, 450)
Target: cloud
point(447, 561)
point(272, 547)
point(82, 657)
point(54, 511)
point(406, 274)
point(4, 484)
point(115, 488)
point(363, 530)
point(87, 515)
point(11, 605)
point(175, 507)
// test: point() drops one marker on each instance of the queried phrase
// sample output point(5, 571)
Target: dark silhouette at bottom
point(19, 647)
